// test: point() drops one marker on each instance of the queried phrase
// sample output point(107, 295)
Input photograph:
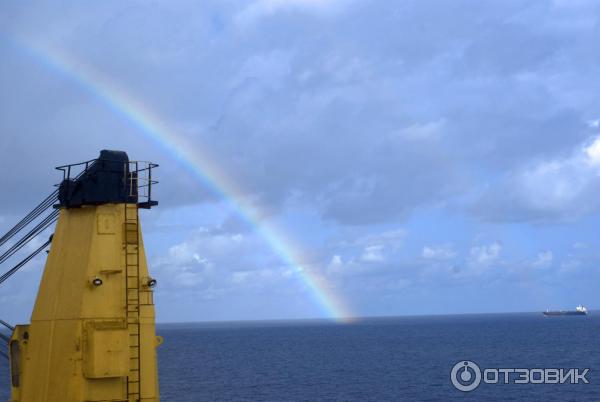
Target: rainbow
point(195, 160)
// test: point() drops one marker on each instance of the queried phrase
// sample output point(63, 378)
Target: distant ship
point(579, 310)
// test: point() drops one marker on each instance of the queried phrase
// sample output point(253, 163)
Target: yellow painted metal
point(92, 333)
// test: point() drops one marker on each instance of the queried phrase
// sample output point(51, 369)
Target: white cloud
point(336, 261)
point(593, 152)
point(553, 184)
point(544, 259)
point(373, 253)
point(209, 259)
point(558, 183)
point(426, 131)
point(570, 266)
point(390, 238)
point(560, 188)
point(486, 254)
point(240, 276)
point(188, 279)
point(444, 252)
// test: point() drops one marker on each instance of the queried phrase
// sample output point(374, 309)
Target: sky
point(322, 158)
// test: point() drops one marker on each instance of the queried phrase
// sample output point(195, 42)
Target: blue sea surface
point(391, 359)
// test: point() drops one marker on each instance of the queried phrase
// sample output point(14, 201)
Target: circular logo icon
point(465, 376)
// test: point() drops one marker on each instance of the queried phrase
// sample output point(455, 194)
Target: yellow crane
point(92, 332)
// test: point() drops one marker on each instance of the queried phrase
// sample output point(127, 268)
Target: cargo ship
point(579, 310)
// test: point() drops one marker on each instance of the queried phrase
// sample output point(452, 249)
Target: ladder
point(132, 300)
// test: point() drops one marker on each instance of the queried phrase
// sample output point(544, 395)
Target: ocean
point(386, 359)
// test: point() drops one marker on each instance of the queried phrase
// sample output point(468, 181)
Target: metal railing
point(141, 182)
point(137, 177)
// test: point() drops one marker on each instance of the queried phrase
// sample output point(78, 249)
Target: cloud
point(206, 259)
point(425, 131)
point(592, 151)
point(548, 190)
point(570, 266)
point(444, 252)
point(265, 8)
point(373, 253)
point(336, 261)
point(362, 125)
point(544, 259)
point(485, 254)
point(365, 116)
point(595, 123)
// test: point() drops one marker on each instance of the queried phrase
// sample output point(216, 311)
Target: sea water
point(386, 359)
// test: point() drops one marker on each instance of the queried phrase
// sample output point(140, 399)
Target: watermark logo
point(467, 376)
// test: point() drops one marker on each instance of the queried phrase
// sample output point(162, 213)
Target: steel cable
point(40, 227)
point(30, 217)
point(13, 270)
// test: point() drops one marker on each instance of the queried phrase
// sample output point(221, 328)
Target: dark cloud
point(303, 101)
